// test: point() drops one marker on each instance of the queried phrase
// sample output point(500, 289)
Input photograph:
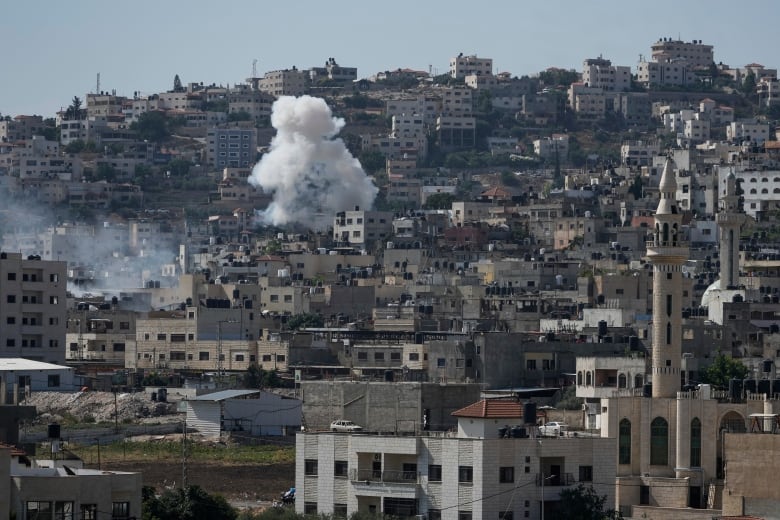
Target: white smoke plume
point(308, 169)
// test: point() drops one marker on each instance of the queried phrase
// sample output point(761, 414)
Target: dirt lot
point(234, 482)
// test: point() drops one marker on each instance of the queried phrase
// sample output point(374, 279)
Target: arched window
point(624, 442)
point(638, 383)
point(668, 333)
point(776, 190)
point(622, 381)
point(579, 378)
point(588, 378)
point(764, 190)
point(764, 179)
point(753, 179)
point(665, 233)
point(695, 443)
point(753, 191)
point(659, 442)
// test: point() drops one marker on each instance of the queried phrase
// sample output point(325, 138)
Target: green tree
point(75, 147)
point(74, 110)
point(372, 161)
point(177, 87)
point(636, 188)
point(178, 167)
point(439, 201)
point(722, 369)
point(749, 84)
point(190, 503)
point(582, 503)
point(105, 172)
point(151, 126)
point(305, 320)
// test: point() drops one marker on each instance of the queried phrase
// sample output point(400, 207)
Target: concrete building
point(287, 82)
point(600, 73)
point(548, 147)
point(477, 471)
point(753, 131)
point(695, 53)
point(64, 489)
point(362, 227)
point(673, 73)
point(32, 308)
point(587, 102)
point(232, 147)
point(462, 66)
point(333, 72)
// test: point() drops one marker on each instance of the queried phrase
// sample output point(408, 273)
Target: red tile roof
point(492, 408)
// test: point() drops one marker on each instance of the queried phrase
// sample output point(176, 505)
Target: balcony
point(389, 476)
point(565, 479)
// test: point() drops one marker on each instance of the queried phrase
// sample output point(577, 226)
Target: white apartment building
point(32, 308)
point(599, 72)
point(287, 82)
point(105, 105)
point(548, 146)
point(491, 468)
point(768, 91)
point(760, 189)
point(749, 130)
point(427, 106)
point(477, 81)
point(360, 227)
point(694, 52)
point(456, 101)
point(19, 128)
point(639, 153)
point(462, 66)
point(674, 73)
point(256, 103)
point(695, 131)
point(456, 132)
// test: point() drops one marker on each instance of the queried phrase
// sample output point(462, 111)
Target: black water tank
point(776, 386)
point(502, 432)
point(750, 385)
point(389, 375)
point(529, 413)
point(602, 328)
point(518, 432)
point(735, 389)
point(54, 431)
point(765, 387)
point(633, 342)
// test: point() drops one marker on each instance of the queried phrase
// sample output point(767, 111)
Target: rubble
point(96, 407)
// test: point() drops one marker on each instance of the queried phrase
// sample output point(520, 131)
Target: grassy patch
point(171, 451)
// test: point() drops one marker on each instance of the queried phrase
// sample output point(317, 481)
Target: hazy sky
point(53, 50)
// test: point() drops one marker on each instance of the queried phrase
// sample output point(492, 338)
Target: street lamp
point(543, 479)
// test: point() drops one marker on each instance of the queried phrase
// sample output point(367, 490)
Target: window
point(54, 380)
point(54, 300)
point(441, 362)
point(464, 515)
point(530, 364)
point(340, 510)
point(119, 347)
point(12, 276)
point(63, 511)
point(88, 512)
point(54, 277)
point(177, 355)
point(310, 508)
point(379, 356)
point(161, 337)
point(203, 356)
point(280, 358)
point(11, 298)
point(38, 510)
point(10, 320)
point(414, 356)
point(505, 515)
point(10, 342)
point(310, 467)
point(434, 514)
point(624, 442)
point(506, 474)
point(695, 443)
point(395, 356)
point(178, 338)
point(659, 442)
point(266, 357)
point(434, 473)
point(586, 473)
point(465, 474)
point(239, 357)
point(340, 468)
point(120, 511)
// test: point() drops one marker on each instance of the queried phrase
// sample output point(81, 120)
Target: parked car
point(553, 429)
point(343, 425)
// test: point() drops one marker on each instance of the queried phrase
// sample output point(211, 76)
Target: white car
point(343, 425)
point(553, 429)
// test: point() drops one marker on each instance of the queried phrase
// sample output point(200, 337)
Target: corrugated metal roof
point(8, 364)
point(224, 394)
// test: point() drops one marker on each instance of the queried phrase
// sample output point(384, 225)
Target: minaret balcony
point(734, 219)
point(669, 249)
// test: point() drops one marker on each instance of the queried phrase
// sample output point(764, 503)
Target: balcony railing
point(394, 476)
point(566, 479)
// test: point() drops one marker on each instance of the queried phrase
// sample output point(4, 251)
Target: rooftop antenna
point(254, 68)
point(97, 84)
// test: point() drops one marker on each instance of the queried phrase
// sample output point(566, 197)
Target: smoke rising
point(308, 169)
